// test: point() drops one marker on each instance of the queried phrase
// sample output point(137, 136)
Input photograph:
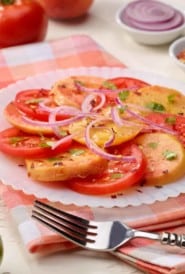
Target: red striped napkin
point(19, 62)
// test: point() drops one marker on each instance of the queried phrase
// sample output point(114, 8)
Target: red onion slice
point(111, 139)
point(56, 123)
point(119, 121)
point(61, 141)
point(68, 110)
point(99, 151)
point(102, 90)
point(153, 125)
point(151, 15)
point(176, 21)
point(87, 104)
point(52, 119)
point(149, 11)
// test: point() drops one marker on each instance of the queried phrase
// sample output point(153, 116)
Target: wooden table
point(101, 25)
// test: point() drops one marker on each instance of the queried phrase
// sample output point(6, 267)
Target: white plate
point(11, 173)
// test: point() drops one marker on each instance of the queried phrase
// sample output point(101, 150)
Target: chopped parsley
point(33, 101)
point(78, 82)
point(171, 98)
point(116, 175)
point(15, 140)
point(76, 151)
point(52, 159)
point(153, 145)
point(109, 85)
point(63, 133)
point(7, 2)
point(121, 109)
point(46, 144)
point(169, 155)
point(123, 95)
point(170, 120)
point(154, 106)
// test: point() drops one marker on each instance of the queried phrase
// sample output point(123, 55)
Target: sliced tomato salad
point(16, 143)
point(119, 175)
point(107, 123)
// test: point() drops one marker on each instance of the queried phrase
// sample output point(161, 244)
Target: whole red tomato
point(66, 9)
point(21, 21)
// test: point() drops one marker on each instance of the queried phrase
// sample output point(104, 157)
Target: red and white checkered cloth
point(149, 256)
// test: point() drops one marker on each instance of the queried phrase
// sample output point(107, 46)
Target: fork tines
point(72, 227)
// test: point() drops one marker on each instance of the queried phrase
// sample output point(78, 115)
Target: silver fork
point(99, 236)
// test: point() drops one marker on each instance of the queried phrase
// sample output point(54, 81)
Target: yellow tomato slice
point(171, 100)
point(102, 133)
point(66, 93)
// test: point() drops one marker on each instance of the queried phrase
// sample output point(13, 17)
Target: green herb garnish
point(121, 110)
point(15, 140)
point(79, 82)
point(169, 155)
point(76, 151)
point(109, 85)
point(7, 2)
point(123, 95)
point(63, 133)
point(46, 144)
point(154, 106)
point(116, 175)
point(153, 145)
point(34, 101)
point(52, 159)
point(170, 120)
point(171, 98)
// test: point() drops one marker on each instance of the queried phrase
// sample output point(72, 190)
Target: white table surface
point(99, 24)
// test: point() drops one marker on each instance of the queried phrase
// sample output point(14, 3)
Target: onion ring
point(151, 16)
point(99, 151)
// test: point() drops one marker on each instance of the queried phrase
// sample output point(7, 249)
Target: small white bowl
point(150, 37)
point(175, 48)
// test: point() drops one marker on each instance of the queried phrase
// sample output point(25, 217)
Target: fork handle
point(173, 239)
point(165, 238)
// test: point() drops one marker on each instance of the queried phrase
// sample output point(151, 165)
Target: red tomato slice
point(127, 82)
point(179, 126)
point(118, 177)
point(121, 83)
point(16, 143)
point(28, 101)
point(175, 122)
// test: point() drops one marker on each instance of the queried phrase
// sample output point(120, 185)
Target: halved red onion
point(151, 16)
point(152, 125)
point(99, 151)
